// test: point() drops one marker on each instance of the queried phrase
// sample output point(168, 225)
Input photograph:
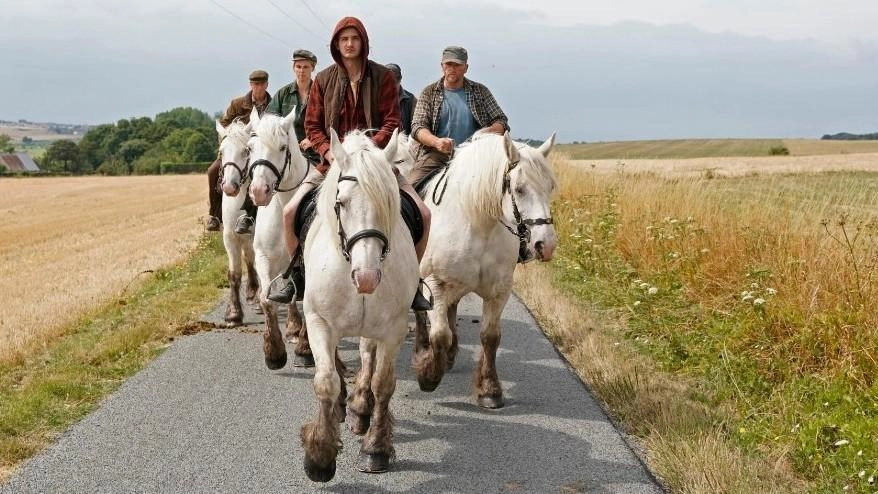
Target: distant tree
point(6, 145)
point(93, 144)
point(27, 140)
point(133, 149)
point(3, 170)
point(198, 147)
point(185, 118)
point(64, 155)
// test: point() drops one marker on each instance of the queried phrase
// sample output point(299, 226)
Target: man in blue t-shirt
point(449, 112)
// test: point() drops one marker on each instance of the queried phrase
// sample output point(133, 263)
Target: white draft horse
point(362, 273)
point(233, 155)
point(492, 199)
point(277, 168)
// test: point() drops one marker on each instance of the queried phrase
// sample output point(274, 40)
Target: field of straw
point(68, 244)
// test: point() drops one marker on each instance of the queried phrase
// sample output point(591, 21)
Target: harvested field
point(735, 166)
point(68, 244)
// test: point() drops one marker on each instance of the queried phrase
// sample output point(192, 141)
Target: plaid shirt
point(479, 99)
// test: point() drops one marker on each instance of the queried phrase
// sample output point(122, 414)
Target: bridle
point(347, 243)
point(278, 174)
point(522, 225)
point(242, 172)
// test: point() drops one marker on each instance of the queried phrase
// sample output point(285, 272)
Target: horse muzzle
point(261, 194)
point(231, 189)
point(545, 249)
point(366, 280)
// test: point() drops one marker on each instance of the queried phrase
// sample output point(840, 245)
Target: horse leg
point(297, 331)
point(452, 324)
point(485, 380)
point(252, 289)
point(430, 358)
point(321, 438)
point(362, 400)
point(273, 342)
point(234, 314)
point(377, 449)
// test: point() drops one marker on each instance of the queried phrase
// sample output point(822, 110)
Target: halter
point(522, 224)
point(278, 174)
point(347, 243)
point(242, 172)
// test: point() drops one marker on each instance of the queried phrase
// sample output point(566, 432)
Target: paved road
point(208, 416)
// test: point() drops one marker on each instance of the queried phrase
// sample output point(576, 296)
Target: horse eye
point(283, 148)
point(247, 151)
point(519, 190)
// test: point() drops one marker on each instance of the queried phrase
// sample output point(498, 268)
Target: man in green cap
point(295, 95)
point(239, 108)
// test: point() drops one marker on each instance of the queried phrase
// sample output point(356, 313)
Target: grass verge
point(58, 383)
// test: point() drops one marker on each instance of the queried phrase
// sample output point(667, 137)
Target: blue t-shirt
point(455, 118)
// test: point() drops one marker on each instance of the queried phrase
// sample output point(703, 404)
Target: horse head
point(361, 194)
point(530, 184)
point(233, 155)
point(274, 155)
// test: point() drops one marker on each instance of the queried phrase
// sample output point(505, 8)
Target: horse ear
point(338, 152)
point(511, 151)
point(254, 117)
point(547, 146)
point(390, 149)
point(220, 129)
point(287, 123)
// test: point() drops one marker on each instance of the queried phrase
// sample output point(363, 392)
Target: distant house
point(18, 162)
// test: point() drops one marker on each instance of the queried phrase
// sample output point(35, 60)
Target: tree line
point(137, 146)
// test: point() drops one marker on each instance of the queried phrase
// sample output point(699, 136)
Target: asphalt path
point(208, 416)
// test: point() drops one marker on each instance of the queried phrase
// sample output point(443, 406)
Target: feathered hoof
point(276, 363)
point(303, 360)
point(374, 462)
point(492, 402)
point(427, 384)
point(234, 323)
point(317, 473)
point(358, 424)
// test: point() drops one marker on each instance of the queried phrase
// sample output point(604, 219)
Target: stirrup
point(420, 302)
point(285, 295)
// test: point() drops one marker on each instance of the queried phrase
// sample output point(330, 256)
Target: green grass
point(670, 149)
point(46, 391)
point(801, 378)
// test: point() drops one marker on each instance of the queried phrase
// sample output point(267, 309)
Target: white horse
point(362, 273)
point(492, 200)
point(233, 148)
point(277, 168)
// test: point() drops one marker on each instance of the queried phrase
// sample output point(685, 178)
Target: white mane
point(236, 133)
point(270, 131)
point(478, 168)
point(367, 162)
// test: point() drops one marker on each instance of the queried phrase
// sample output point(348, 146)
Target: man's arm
point(388, 109)
point(314, 120)
point(422, 118)
point(230, 114)
point(498, 123)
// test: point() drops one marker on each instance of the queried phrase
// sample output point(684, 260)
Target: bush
point(180, 168)
point(778, 151)
point(147, 165)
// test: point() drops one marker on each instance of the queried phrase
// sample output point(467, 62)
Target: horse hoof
point(303, 360)
point(275, 364)
point(234, 323)
point(428, 385)
point(374, 462)
point(492, 402)
point(258, 309)
point(358, 424)
point(317, 473)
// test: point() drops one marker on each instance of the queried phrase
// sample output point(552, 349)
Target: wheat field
point(68, 244)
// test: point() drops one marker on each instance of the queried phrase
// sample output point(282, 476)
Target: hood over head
point(345, 23)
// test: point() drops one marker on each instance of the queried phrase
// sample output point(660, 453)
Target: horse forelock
point(236, 133)
point(535, 169)
point(374, 176)
point(270, 131)
point(477, 170)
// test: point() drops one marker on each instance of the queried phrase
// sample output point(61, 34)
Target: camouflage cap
point(302, 54)
point(454, 54)
point(259, 76)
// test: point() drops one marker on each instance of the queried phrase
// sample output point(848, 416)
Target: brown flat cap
point(259, 76)
point(301, 54)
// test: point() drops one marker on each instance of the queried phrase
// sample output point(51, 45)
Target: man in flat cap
point(239, 108)
point(407, 101)
point(295, 95)
point(449, 112)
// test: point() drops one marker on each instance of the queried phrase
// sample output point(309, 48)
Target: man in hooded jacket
point(353, 93)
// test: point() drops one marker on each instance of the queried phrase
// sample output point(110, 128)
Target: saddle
point(308, 209)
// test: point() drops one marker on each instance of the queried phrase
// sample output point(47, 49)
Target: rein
point(347, 243)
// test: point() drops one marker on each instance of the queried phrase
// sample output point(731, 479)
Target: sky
point(592, 71)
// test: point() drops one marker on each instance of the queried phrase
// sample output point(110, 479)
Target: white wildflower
point(747, 298)
point(759, 301)
point(842, 442)
point(588, 240)
point(636, 303)
point(744, 293)
point(638, 281)
point(673, 222)
point(871, 479)
point(861, 474)
point(674, 255)
point(754, 285)
point(644, 286)
point(860, 453)
point(652, 290)
point(704, 251)
point(770, 291)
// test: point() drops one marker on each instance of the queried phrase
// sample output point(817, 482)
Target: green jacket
point(285, 99)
